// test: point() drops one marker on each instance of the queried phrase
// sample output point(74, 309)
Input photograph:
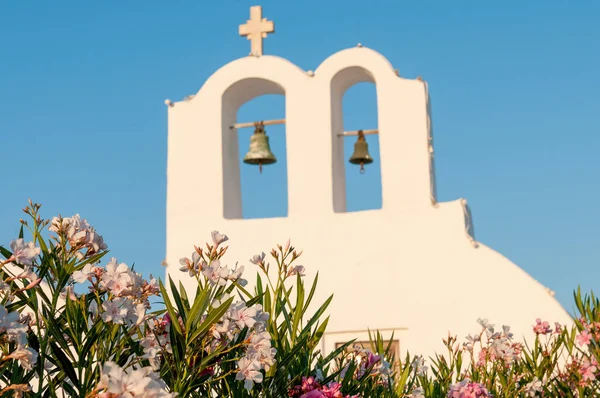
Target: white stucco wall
point(409, 266)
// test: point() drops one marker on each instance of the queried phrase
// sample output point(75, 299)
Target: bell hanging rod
point(355, 132)
point(252, 124)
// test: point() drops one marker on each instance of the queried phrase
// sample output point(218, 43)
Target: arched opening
point(354, 107)
point(246, 192)
point(363, 190)
point(264, 195)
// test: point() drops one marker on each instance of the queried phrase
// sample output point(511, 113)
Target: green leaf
point(259, 285)
point(337, 351)
point(201, 303)
point(311, 294)
point(178, 302)
point(211, 318)
point(5, 252)
point(64, 364)
point(91, 337)
point(321, 330)
point(317, 314)
point(297, 315)
point(170, 309)
point(184, 297)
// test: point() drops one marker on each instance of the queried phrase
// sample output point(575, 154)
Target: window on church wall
point(359, 108)
point(264, 195)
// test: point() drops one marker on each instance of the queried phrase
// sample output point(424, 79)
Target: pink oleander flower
point(534, 387)
point(372, 359)
point(557, 327)
point(296, 270)
point(115, 310)
point(86, 273)
point(9, 324)
point(117, 277)
point(152, 349)
point(23, 253)
point(28, 273)
point(258, 259)
point(243, 316)
point(584, 338)
point(418, 365)
point(466, 389)
point(310, 388)
point(313, 394)
point(588, 370)
point(542, 327)
point(334, 390)
point(249, 371)
point(236, 274)
point(116, 382)
point(486, 325)
point(215, 273)
point(79, 233)
point(218, 238)
point(193, 266)
point(26, 356)
point(309, 383)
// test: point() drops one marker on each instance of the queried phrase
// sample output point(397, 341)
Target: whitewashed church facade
point(412, 267)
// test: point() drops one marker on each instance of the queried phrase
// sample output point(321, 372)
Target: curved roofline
point(364, 57)
point(247, 68)
point(275, 68)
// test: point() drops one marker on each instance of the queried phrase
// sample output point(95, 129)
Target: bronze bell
point(361, 152)
point(260, 151)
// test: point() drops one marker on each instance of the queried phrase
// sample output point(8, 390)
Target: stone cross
point(256, 29)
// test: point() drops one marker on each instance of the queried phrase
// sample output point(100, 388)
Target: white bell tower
point(411, 267)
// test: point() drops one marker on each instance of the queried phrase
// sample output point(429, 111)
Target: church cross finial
point(256, 29)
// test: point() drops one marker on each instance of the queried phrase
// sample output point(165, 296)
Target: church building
point(412, 268)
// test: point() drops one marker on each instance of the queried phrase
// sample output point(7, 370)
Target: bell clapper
point(362, 168)
point(260, 167)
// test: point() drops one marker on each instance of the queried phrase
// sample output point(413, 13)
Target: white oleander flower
point(24, 253)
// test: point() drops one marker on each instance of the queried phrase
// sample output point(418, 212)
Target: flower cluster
point(128, 292)
point(79, 234)
point(589, 334)
point(285, 268)
point(497, 346)
point(542, 327)
point(534, 387)
point(13, 329)
point(252, 320)
point(210, 268)
point(23, 253)
point(580, 371)
point(156, 340)
point(115, 382)
point(367, 361)
point(239, 318)
point(467, 389)
point(222, 340)
point(14, 326)
point(418, 365)
point(311, 388)
point(20, 267)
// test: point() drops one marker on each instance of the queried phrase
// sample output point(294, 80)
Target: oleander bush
point(75, 323)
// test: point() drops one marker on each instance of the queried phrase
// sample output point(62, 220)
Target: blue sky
point(515, 98)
